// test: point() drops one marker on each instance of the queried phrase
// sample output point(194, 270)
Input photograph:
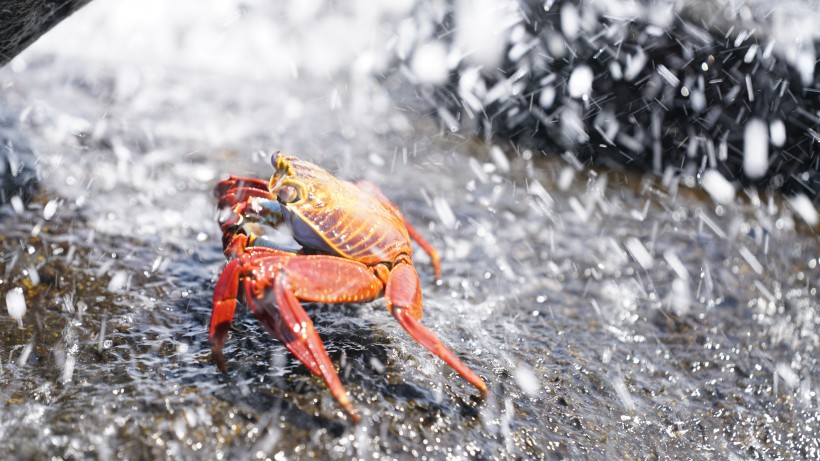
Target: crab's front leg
point(239, 195)
point(235, 183)
point(239, 271)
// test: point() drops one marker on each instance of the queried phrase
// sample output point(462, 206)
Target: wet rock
point(25, 20)
point(639, 86)
point(614, 316)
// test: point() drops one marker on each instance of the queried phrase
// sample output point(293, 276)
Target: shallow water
point(612, 315)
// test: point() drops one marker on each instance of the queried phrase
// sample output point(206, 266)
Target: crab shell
point(337, 217)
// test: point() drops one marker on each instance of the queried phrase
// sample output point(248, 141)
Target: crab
point(354, 245)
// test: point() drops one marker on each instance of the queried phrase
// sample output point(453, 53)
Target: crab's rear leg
point(403, 296)
point(317, 278)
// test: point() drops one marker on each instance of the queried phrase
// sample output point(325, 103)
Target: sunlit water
point(612, 315)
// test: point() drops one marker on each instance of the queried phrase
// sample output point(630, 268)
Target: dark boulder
point(23, 21)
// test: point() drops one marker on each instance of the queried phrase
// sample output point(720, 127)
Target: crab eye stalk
point(287, 194)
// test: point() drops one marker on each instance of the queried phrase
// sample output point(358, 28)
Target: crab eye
point(287, 194)
point(274, 160)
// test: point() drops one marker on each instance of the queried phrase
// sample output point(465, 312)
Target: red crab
point(355, 247)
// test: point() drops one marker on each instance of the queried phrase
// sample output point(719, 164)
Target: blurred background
point(624, 194)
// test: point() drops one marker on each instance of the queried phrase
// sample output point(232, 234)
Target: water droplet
point(16, 304)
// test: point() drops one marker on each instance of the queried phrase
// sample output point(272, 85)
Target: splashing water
point(613, 315)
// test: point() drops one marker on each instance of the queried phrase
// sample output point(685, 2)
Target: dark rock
point(677, 96)
point(23, 21)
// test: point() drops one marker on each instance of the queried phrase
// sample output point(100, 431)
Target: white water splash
point(580, 81)
point(640, 253)
point(50, 209)
point(480, 29)
point(755, 148)
point(21, 361)
point(570, 21)
point(429, 63)
point(500, 159)
point(526, 380)
point(634, 64)
point(118, 282)
point(565, 178)
point(788, 374)
point(805, 208)
point(445, 213)
point(17, 204)
point(16, 304)
point(68, 368)
point(777, 132)
point(676, 264)
point(718, 187)
point(34, 276)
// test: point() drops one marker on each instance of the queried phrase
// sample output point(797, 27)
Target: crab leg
point(431, 251)
point(227, 289)
point(317, 278)
point(236, 193)
point(247, 204)
point(272, 321)
point(302, 338)
point(235, 181)
point(240, 194)
point(225, 292)
point(225, 299)
point(310, 278)
point(403, 295)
